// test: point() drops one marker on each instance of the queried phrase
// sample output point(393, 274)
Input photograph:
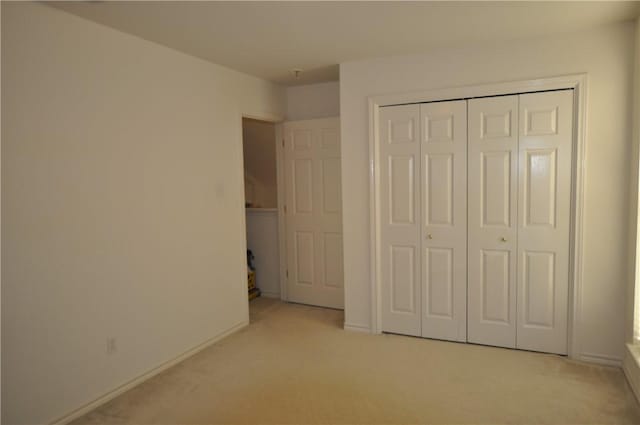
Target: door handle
point(429, 236)
point(503, 239)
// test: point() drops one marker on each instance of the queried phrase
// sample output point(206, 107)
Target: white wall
point(122, 206)
point(633, 268)
point(313, 101)
point(262, 240)
point(606, 54)
point(259, 151)
point(0, 239)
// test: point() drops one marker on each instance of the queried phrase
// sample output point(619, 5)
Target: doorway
point(292, 181)
point(483, 259)
point(574, 195)
point(261, 208)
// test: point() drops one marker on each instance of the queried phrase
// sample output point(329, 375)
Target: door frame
point(577, 82)
point(277, 120)
point(281, 181)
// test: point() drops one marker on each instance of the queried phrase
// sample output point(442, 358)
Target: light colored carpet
point(295, 364)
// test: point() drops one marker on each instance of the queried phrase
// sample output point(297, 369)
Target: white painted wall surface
point(606, 54)
point(0, 238)
point(313, 101)
point(122, 206)
point(633, 302)
point(259, 154)
point(632, 327)
point(262, 240)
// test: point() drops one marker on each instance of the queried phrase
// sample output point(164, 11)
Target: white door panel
point(492, 233)
point(399, 153)
point(495, 287)
point(302, 185)
point(314, 212)
point(444, 223)
point(546, 125)
point(474, 203)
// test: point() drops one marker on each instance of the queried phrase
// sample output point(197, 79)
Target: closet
point(475, 219)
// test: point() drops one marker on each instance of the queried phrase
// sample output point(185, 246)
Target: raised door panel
point(399, 197)
point(401, 192)
point(497, 121)
point(438, 125)
point(443, 149)
point(439, 191)
point(313, 205)
point(539, 197)
point(492, 234)
point(545, 162)
point(333, 268)
point(302, 186)
point(403, 280)
point(303, 249)
point(439, 282)
point(302, 139)
point(331, 192)
point(400, 129)
point(495, 186)
point(495, 282)
point(538, 289)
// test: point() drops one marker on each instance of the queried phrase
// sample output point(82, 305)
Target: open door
point(313, 212)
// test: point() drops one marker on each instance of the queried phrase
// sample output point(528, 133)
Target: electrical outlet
point(111, 346)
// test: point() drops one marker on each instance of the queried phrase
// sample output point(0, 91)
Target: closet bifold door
point(546, 128)
point(492, 220)
point(444, 219)
point(399, 197)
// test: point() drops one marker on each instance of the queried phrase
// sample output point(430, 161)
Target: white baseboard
point(357, 328)
point(110, 395)
point(631, 369)
point(268, 294)
point(602, 359)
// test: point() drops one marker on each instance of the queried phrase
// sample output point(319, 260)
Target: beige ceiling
point(268, 39)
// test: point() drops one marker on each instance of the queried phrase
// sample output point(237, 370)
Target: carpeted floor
point(295, 364)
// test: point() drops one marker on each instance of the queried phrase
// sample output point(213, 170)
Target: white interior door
point(492, 197)
point(313, 217)
point(546, 126)
point(399, 198)
point(444, 220)
point(474, 202)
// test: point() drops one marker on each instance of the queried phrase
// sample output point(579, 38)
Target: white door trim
point(578, 82)
point(281, 190)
